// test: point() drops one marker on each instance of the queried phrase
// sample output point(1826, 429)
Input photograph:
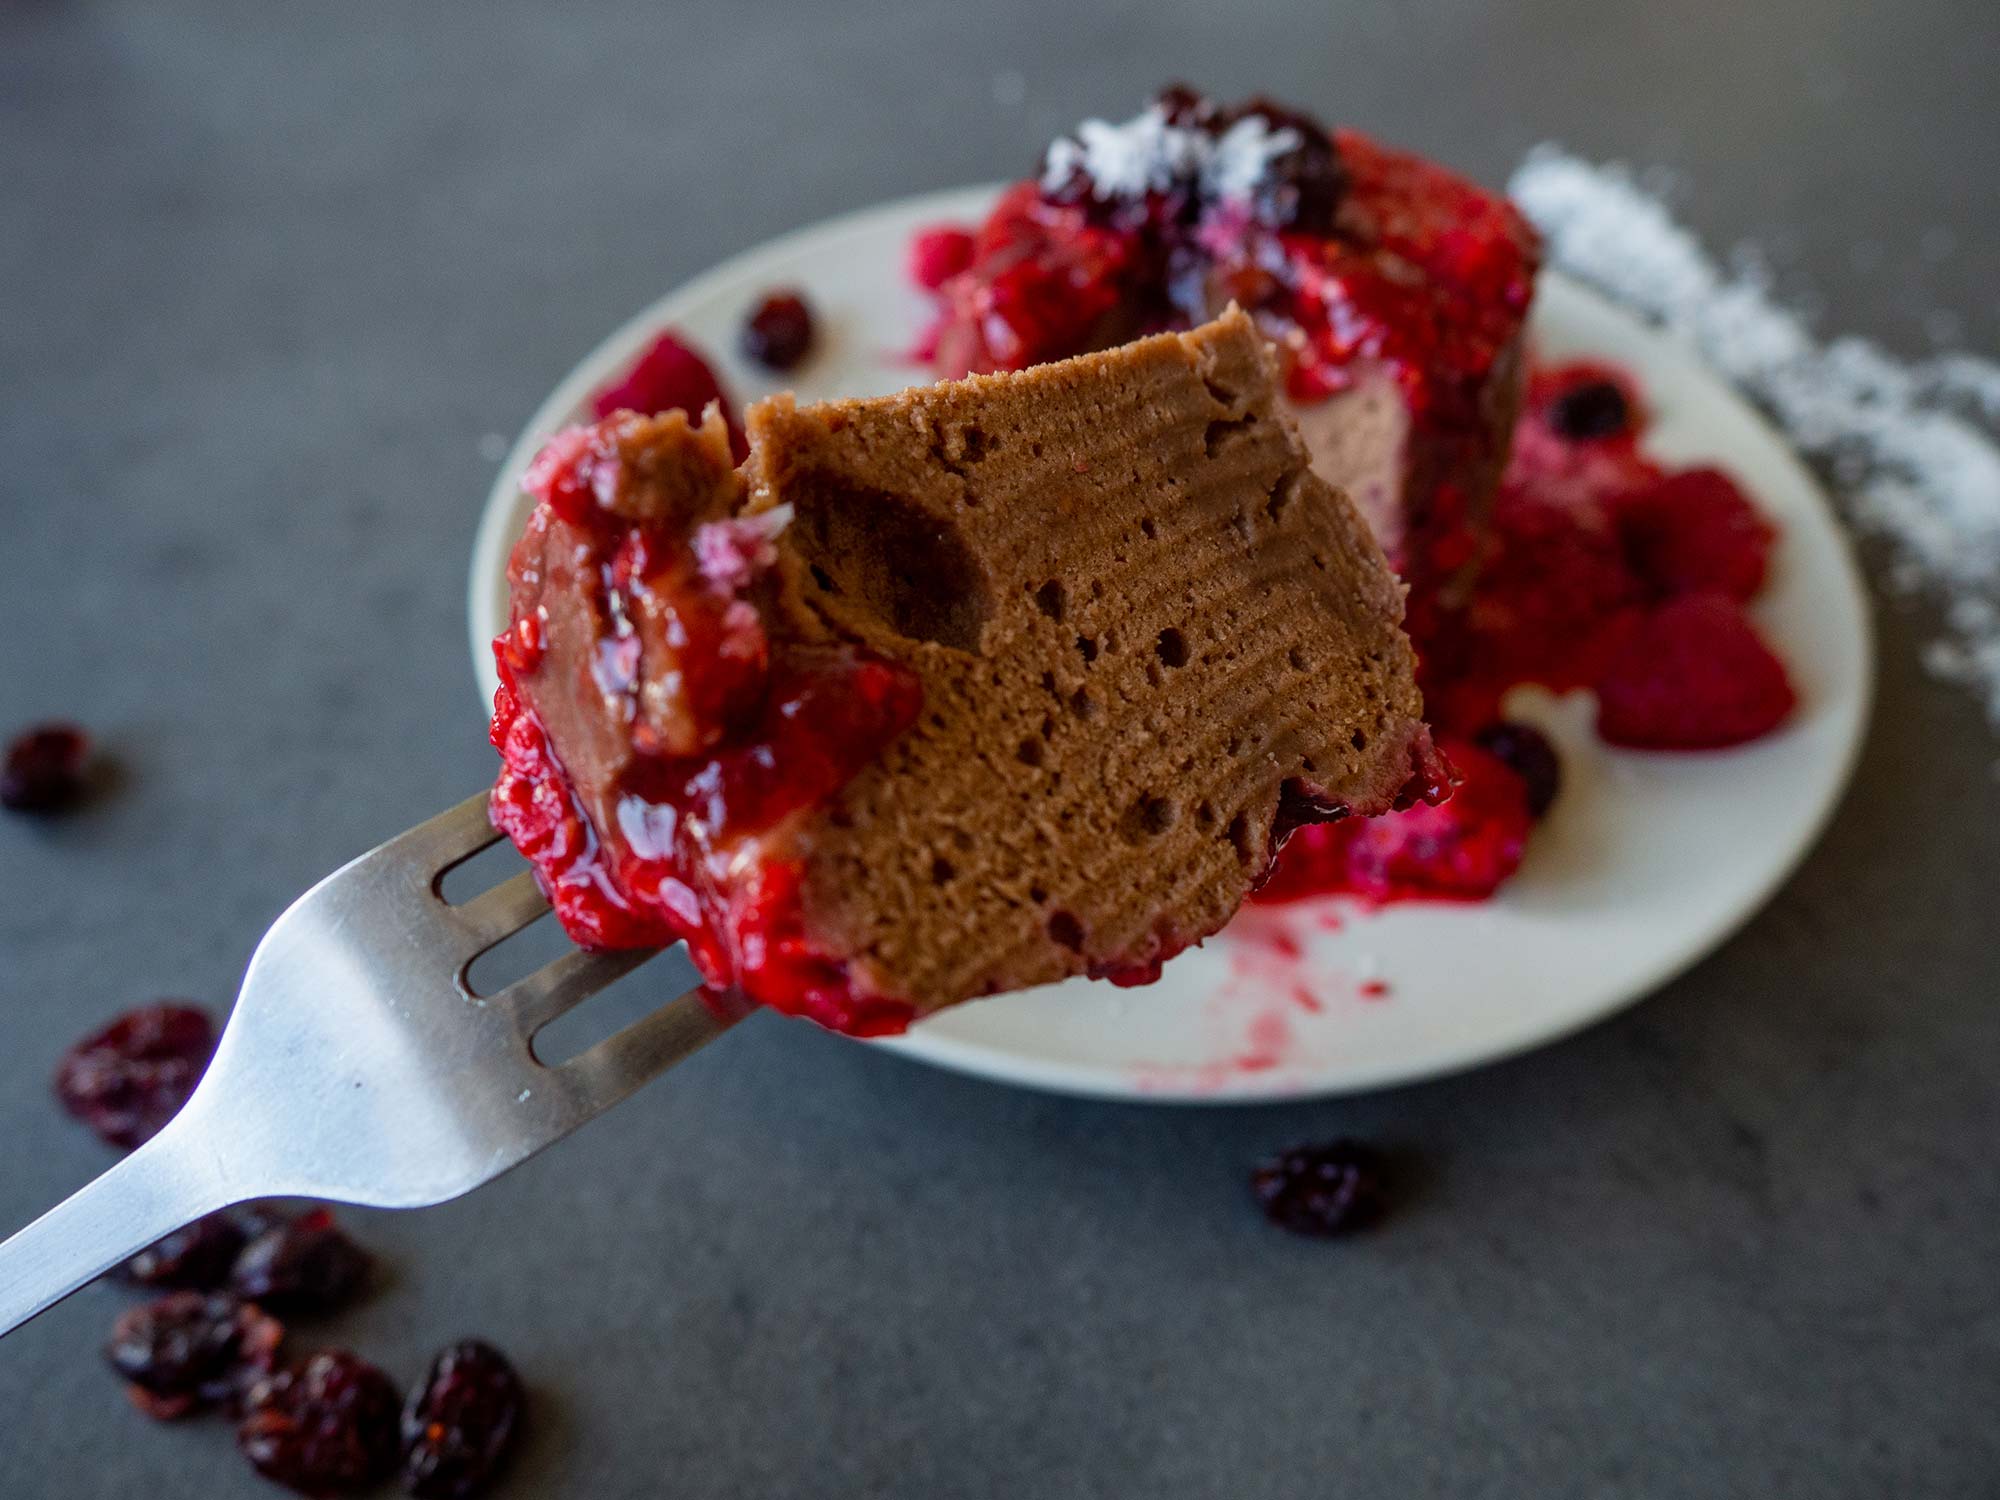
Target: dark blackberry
point(778, 334)
point(1526, 751)
point(1585, 413)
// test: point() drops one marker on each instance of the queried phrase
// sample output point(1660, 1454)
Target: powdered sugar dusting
point(1146, 154)
point(732, 553)
point(1242, 156)
point(1910, 445)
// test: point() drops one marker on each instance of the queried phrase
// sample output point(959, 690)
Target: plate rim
point(499, 522)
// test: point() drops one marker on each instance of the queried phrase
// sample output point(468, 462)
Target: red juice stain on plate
point(1269, 1043)
point(1267, 957)
point(1261, 938)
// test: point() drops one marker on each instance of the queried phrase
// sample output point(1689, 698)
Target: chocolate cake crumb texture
point(1141, 623)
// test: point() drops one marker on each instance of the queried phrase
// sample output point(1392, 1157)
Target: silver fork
point(359, 1066)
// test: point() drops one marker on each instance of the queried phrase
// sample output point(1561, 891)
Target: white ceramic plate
point(1646, 864)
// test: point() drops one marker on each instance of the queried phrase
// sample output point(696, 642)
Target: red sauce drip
point(681, 865)
point(759, 730)
point(1459, 850)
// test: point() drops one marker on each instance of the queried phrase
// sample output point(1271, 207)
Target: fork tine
point(565, 982)
point(450, 838)
point(602, 1075)
point(502, 911)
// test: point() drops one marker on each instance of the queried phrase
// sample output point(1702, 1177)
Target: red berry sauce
point(939, 253)
point(670, 375)
point(1459, 850)
point(676, 844)
point(1589, 539)
point(1600, 569)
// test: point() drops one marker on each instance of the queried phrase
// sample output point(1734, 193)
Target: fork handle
point(166, 1183)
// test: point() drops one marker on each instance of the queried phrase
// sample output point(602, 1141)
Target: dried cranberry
point(188, 1350)
point(197, 1257)
point(306, 1266)
point(325, 1427)
point(44, 771)
point(1596, 409)
point(459, 1422)
point(779, 331)
point(1527, 751)
point(1328, 1189)
point(129, 1079)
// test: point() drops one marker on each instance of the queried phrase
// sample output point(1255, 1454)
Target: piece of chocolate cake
point(955, 691)
point(1395, 291)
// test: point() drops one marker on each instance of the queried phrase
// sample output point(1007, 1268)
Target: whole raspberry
point(1692, 675)
point(1694, 532)
point(939, 253)
point(670, 375)
point(1324, 1190)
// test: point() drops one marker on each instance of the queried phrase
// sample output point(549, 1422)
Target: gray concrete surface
point(268, 275)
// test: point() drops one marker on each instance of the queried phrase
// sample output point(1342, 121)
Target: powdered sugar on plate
point(1912, 447)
